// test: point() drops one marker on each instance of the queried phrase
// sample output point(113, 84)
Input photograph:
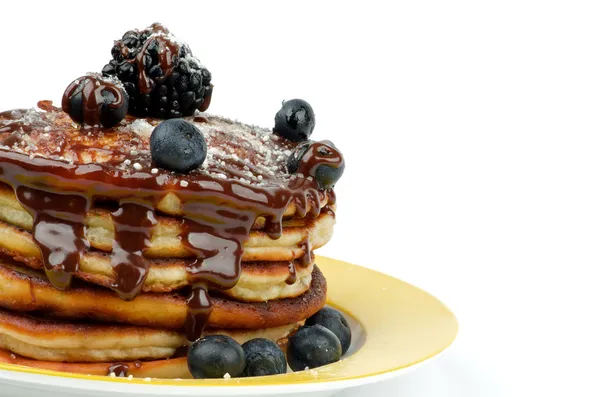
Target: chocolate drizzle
point(320, 153)
point(217, 216)
point(292, 277)
point(162, 45)
point(58, 231)
point(307, 249)
point(94, 91)
point(133, 225)
point(119, 369)
point(167, 51)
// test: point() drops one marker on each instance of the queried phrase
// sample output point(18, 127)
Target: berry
point(313, 347)
point(177, 145)
point(214, 356)
point(263, 357)
point(95, 100)
point(327, 176)
point(161, 76)
point(334, 321)
point(321, 160)
point(296, 156)
point(295, 120)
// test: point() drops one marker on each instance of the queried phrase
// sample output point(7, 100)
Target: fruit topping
point(334, 321)
point(216, 356)
point(297, 154)
point(177, 145)
point(263, 357)
point(321, 160)
point(295, 120)
point(313, 347)
point(95, 100)
point(160, 74)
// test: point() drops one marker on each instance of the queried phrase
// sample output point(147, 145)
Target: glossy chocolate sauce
point(94, 91)
point(319, 153)
point(217, 216)
point(168, 51)
point(133, 225)
point(58, 231)
point(292, 277)
point(165, 49)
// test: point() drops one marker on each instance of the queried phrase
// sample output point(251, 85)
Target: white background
point(470, 131)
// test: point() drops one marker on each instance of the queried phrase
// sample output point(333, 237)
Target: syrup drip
point(307, 249)
point(58, 231)
point(332, 197)
point(133, 223)
point(119, 369)
point(292, 277)
point(273, 227)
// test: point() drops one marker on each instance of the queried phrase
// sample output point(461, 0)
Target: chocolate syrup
point(120, 370)
point(94, 91)
point(273, 227)
point(217, 216)
point(306, 247)
point(58, 231)
point(133, 225)
point(167, 51)
point(322, 152)
point(292, 277)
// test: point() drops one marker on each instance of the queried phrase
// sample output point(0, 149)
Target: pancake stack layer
point(110, 265)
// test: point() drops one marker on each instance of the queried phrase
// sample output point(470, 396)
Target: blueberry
point(177, 145)
point(214, 356)
point(334, 321)
point(313, 346)
point(295, 121)
point(296, 155)
point(263, 357)
point(111, 115)
point(327, 175)
point(88, 109)
point(320, 155)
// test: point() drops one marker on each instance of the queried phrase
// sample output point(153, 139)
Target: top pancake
point(248, 155)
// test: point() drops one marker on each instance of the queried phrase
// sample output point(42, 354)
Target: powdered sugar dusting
point(245, 153)
point(141, 127)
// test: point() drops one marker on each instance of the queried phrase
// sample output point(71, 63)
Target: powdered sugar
point(236, 151)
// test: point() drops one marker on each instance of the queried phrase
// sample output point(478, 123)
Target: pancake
point(259, 280)
point(22, 289)
point(95, 203)
point(297, 236)
point(175, 368)
point(54, 340)
point(253, 151)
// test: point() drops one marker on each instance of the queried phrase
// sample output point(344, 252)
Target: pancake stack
point(111, 265)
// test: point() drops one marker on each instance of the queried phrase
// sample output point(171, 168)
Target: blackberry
point(161, 76)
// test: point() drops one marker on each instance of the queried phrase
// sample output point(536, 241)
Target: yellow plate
point(399, 326)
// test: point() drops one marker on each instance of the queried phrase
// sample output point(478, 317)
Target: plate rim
point(299, 383)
